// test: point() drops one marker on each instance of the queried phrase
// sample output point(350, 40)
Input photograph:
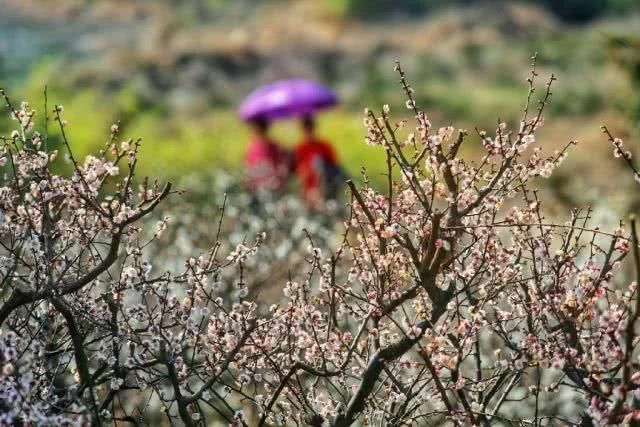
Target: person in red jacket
point(315, 164)
point(268, 163)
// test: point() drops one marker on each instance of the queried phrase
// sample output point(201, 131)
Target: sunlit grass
point(173, 147)
point(180, 147)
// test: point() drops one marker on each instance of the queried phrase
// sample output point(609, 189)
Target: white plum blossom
point(446, 297)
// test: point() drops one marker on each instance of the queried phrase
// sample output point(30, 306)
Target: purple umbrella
point(287, 98)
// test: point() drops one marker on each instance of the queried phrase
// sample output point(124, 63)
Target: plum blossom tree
point(450, 299)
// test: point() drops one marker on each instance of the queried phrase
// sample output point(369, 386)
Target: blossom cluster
point(448, 297)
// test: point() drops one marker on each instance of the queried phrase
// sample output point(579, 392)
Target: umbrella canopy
point(287, 98)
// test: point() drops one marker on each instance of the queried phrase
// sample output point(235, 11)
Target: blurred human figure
point(316, 166)
point(268, 164)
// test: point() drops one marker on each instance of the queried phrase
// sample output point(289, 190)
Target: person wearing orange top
point(315, 164)
point(268, 164)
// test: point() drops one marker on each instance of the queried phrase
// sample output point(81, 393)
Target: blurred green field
point(177, 146)
point(219, 141)
point(177, 82)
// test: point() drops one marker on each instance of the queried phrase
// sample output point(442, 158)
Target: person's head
point(260, 127)
point(308, 127)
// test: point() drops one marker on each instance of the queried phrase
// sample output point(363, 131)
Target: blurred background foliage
point(174, 71)
point(568, 10)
